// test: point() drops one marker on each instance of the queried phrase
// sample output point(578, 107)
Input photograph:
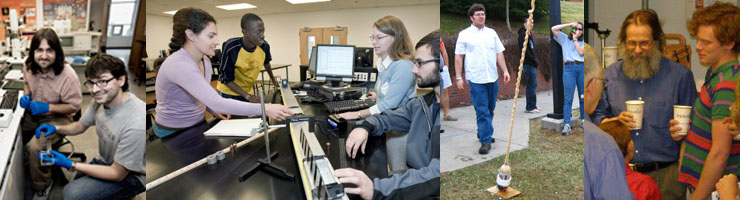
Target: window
point(121, 17)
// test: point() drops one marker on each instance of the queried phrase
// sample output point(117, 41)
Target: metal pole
point(264, 126)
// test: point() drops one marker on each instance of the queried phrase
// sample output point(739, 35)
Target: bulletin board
point(25, 8)
point(74, 10)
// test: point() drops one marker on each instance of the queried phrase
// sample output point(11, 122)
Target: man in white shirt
point(482, 50)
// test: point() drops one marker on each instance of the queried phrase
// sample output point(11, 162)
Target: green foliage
point(496, 9)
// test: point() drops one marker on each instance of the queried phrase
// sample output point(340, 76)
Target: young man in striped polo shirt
point(709, 151)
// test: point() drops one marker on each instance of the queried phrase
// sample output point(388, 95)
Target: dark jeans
point(483, 97)
point(240, 98)
point(85, 187)
point(531, 73)
point(572, 78)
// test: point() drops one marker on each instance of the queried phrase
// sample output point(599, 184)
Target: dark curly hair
point(187, 18)
point(102, 63)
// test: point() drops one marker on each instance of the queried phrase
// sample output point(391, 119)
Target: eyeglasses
point(373, 38)
point(100, 83)
point(421, 62)
point(642, 44)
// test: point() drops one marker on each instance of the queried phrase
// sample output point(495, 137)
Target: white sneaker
point(566, 129)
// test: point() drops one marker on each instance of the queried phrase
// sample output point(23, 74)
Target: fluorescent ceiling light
point(171, 12)
point(237, 6)
point(306, 1)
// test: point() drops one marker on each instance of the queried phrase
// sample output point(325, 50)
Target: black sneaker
point(484, 148)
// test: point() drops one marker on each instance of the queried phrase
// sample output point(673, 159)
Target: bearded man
point(643, 74)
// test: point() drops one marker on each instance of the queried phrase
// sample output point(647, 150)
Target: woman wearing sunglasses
point(572, 46)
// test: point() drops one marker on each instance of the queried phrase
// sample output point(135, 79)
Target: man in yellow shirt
point(242, 60)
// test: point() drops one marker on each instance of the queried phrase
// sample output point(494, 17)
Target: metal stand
point(265, 164)
point(603, 34)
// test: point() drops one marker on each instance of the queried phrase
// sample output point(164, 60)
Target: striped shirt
point(715, 98)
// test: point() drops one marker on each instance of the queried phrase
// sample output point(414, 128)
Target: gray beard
point(639, 67)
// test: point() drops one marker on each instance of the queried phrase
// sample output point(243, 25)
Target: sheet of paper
point(234, 128)
point(14, 74)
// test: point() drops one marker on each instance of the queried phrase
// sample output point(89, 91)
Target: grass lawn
point(551, 167)
point(571, 11)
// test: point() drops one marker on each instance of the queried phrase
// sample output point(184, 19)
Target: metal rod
point(265, 126)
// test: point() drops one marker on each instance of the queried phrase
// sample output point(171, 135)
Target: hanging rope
point(518, 80)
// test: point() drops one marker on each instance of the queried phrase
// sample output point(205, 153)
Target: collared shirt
point(671, 85)
point(570, 53)
point(716, 95)
point(395, 84)
point(62, 88)
point(604, 175)
point(480, 47)
point(383, 63)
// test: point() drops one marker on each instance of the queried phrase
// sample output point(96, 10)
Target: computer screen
point(335, 62)
point(66, 41)
point(312, 60)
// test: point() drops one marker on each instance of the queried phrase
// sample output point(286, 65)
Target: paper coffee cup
point(635, 107)
point(682, 114)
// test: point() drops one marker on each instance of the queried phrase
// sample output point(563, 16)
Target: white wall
point(281, 30)
point(673, 14)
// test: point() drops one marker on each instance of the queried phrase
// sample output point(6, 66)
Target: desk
point(12, 170)
point(220, 181)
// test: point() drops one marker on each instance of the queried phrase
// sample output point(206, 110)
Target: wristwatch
point(458, 78)
point(359, 114)
point(73, 167)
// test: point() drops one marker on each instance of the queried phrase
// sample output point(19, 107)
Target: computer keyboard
point(348, 105)
point(10, 100)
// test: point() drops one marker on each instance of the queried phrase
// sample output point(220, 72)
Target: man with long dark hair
point(52, 96)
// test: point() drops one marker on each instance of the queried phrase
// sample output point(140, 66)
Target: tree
point(508, 24)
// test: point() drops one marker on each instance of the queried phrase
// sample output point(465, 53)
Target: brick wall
point(512, 55)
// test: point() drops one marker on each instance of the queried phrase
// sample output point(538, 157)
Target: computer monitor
point(363, 57)
point(312, 61)
point(335, 63)
point(67, 41)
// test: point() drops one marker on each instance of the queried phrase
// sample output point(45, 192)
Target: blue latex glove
point(58, 159)
point(38, 107)
point(49, 129)
point(25, 101)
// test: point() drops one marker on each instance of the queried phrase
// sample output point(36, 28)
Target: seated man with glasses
point(119, 172)
point(643, 74)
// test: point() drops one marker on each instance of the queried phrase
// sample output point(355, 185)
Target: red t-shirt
point(641, 185)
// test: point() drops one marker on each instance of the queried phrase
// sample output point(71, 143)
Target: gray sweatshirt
point(420, 118)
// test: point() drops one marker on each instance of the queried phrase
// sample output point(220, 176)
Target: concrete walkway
point(459, 144)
